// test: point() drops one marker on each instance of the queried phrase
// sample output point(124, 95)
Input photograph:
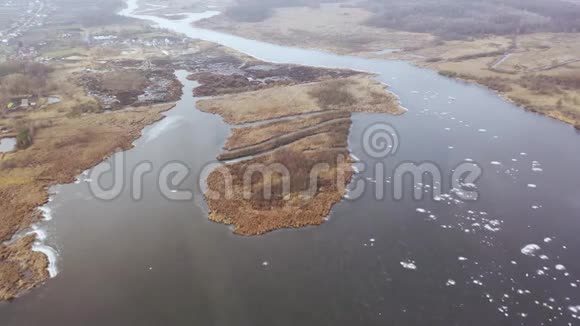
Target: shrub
point(24, 138)
point(332, 94)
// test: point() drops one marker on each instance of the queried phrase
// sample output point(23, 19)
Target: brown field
point(359, 94)
point(81, 141)
point(21, 269)
point(298, 143)
point(258, 214)
point(247, 136)
point(345, 29)
point(331, 27)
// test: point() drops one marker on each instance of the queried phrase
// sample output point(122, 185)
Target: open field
point(248, 136)
point(354, 94)
point(331, 27)
point(532, 68)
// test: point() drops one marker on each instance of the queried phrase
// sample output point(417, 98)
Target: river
point(375, 262)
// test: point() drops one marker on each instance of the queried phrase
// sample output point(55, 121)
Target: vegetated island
point(527, 51)
point(297, 126)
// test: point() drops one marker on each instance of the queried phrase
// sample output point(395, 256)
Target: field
point(293, 129)
point(354, 94)
point(534, 64)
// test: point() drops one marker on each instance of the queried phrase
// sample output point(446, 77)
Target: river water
point(375, 262)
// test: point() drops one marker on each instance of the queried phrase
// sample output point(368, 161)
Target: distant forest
point(448, 19)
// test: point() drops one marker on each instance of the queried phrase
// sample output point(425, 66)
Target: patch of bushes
point(333, 94)
point(24, 138)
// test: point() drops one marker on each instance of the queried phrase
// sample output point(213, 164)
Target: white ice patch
point(560, 267)
point(574, 309)
point(409, 264)
point(530, 250)
point(50, 254)
point(46, 213)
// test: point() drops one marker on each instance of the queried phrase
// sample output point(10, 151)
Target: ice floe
point(530, 249)
point(409, 264)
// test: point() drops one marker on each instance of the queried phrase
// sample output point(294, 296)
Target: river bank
point(535, 71)
point(271, 185)
point(59, 154)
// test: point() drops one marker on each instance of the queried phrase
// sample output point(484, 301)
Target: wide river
point(509, 258)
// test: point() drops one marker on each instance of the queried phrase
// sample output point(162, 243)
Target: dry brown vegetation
point(461, 38)
point(247, 136)
point(25, 175)
point(276, 102)
point(20, 269)
point(259, 213)
point(298, 143)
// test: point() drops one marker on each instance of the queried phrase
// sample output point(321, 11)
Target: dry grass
point(247, 136)
point(330, 27)
point(60, 151)
point(369, 96)
point(260, 214)
point(343, 29)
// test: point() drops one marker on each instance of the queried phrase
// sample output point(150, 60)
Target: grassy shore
point(314, 131)
point(537, 71)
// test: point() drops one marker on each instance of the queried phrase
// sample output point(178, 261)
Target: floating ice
point(50, 254)
point(574, 309)
point(530, 250)
point(409, 264)
point(46, 213)
point(560, 267)
point(490, 228)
